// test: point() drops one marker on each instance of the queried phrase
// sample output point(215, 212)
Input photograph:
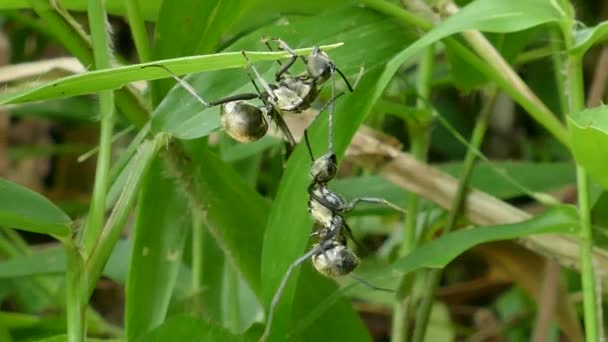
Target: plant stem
point(434, 275)
point(576, 103)
point(111, 233)
point(419, 140)
point(75, 287)
point(101, 50)
point(65, 29)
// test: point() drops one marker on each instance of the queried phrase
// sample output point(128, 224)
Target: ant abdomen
point(243, 121)
point(335, 261)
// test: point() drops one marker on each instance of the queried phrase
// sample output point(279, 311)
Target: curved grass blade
point(114, 78)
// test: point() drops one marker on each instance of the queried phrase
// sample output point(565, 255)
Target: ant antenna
point(279, 293)
point(370, 285)
point(329, 103)
point(183, 83)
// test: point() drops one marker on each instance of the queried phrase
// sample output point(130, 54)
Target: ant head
point(243, 121)
point(335, 261)
point(319, 65)
point(324, 169)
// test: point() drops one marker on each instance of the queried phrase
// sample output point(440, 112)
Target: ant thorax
point(243, 121)
point(334, 260)
point(295, 94)
point(324, 204)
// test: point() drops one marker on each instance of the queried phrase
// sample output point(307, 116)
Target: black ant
point(242, 120)
point(297, 93)
point(330, 256)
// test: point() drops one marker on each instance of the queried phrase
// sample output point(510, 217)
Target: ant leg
point(277, 295)
point(183, 83)
point(349, 234)
point(284, 68)
point(264, 84)
point(370, 285)
point(237, 97)
point(285, 130)
point(192, 91)
point(350, 206)
point(350, 88)
point(312, 156)
point(284, 46)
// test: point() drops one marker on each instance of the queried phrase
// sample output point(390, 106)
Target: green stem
point(138, 30)
point(65, 29)
point(576, 103)
point(111, 233)
point(419, 140)
point(101, 50)
point(75, 287)
point(434, 275)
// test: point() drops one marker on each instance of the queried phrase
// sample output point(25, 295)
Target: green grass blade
point(589, 139)
point(158, 242)
point(109, 79)
point(185, 328)
point(25, 209)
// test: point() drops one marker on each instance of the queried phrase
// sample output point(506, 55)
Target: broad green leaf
point(158, 241)
point(589, 139)
point(440, 252)
point(185, 328)
point(241, 151)
point(181, 115)
point(341, 316)
point(48, 261)
point(236, 214)
point(114, 78)
point(589, 36)
point(64, 338)
point(25, 209)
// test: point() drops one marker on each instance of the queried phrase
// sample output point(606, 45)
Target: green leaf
point(158, 242)
point(185, 328)
point(114, 78)
point(236, 214)
point(48, 261)
point(589, 139)
point(438, 253)
point(24, 209)
point(588, 36)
